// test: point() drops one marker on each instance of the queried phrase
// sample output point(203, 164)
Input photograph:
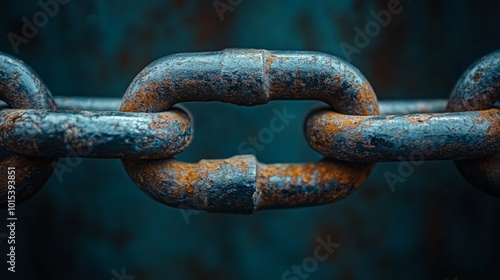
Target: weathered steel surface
point(460, 135)
point(432, 227)
point(294, 185)
point(242, 185)
point(214, 185)
point(479, 89)
point(250, 77)
point(42, 133)
point(21, 88)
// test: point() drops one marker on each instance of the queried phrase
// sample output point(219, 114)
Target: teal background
point(96, 221)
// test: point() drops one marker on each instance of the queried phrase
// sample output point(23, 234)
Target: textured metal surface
point(250, 77)
point(479, 89)
point(437, 136)
point(434, 226)
point(42, 133)
point(217, 186)
point(21, 88)
point(247, 77)
point(242, 185)
point(294, 185)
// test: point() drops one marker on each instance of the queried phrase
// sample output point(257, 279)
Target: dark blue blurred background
point(95, 221)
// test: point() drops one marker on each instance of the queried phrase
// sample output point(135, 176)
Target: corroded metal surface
point(21, 88)
point(460, 135)
point(248, 77)
point(214, 185)
point(293, 185)
point(479, 89)
point(146, 137)
point(434, 226)
point(242, 185)
point(42, 133)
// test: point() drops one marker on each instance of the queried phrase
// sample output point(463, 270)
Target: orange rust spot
point(367, 96)
point(313, 175)
point(477, 76)
point(493, 116)
point(299, 84)
point(420, 119)
point(270, 59)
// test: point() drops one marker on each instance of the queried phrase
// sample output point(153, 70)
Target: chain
point(146, 128)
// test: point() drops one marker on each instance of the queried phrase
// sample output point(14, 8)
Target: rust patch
point(492, 116)
point(270, 58)
point(21, 88)
point(281, 185)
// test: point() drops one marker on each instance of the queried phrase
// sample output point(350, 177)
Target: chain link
point(20, 87)
point(43, 133)
point(479, 89)
point(248, 77)
point(148, 130)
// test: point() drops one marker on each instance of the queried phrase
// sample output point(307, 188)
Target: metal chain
point(21, 88)
point(146, 128)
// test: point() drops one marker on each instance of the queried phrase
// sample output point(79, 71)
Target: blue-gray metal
point(93, 222)
point(240, 184)
point(479, 89)
point(88, 103)
point(83, 103)
point(438, 136)
point(20, 87)
point(42, 133)
point(248, 77)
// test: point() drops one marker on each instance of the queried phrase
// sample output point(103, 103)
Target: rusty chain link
point(21, 88)
point(146, 128)
point(479, 89)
